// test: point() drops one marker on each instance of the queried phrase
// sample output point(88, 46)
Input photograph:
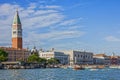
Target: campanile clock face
point(20, 33)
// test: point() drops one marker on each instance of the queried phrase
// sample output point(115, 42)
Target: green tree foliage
point(53, 61)
point(2, 58)
point(42, 60)
point(36, 58)
point(33, 58)
point(3, 55)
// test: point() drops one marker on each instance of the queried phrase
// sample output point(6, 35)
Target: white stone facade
point(63, 58)
point(16, 33)
point(79, 57)
point(101, 59)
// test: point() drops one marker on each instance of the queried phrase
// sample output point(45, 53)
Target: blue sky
point(91, 25)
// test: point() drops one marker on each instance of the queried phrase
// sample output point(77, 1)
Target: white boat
point(93, 69)
point(114, 67)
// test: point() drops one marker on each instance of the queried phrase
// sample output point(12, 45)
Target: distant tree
point(33, 58)
point(36, 58)
point(2, 58)
point(42, 60)
point(53, 61)
point(3, 55)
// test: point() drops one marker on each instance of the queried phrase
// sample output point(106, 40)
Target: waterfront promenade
point(18, 65)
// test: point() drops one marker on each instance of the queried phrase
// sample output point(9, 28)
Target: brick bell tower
point(17, 32)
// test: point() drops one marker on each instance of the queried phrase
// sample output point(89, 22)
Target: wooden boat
point(78, 68)
point(101, 67)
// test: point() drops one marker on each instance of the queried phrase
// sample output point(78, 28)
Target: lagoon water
point(60, 74)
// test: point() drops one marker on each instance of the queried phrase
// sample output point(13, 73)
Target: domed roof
point(34, 49)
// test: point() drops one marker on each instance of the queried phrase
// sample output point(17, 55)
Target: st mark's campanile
point(17, 32)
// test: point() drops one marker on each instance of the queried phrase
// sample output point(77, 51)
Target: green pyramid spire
point(16, 18)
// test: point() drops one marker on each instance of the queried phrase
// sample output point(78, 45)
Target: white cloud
point(68, 22)
point(71, 22)
point(32, 6)
point(33, 18)
point(67, 34)
point(56, 35)
point(42, 21)
point(54, 7)
point(48, 39)
point(112, 39)
point(44, 12)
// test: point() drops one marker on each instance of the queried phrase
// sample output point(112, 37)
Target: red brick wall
point(17, 43)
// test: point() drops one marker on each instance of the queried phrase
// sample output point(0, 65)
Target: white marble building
point(63, 58)
point(79, 57)
point(101, 59)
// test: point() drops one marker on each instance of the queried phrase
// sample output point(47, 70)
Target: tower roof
point(16, 18)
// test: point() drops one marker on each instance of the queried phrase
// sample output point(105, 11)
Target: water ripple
point(59, 74)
